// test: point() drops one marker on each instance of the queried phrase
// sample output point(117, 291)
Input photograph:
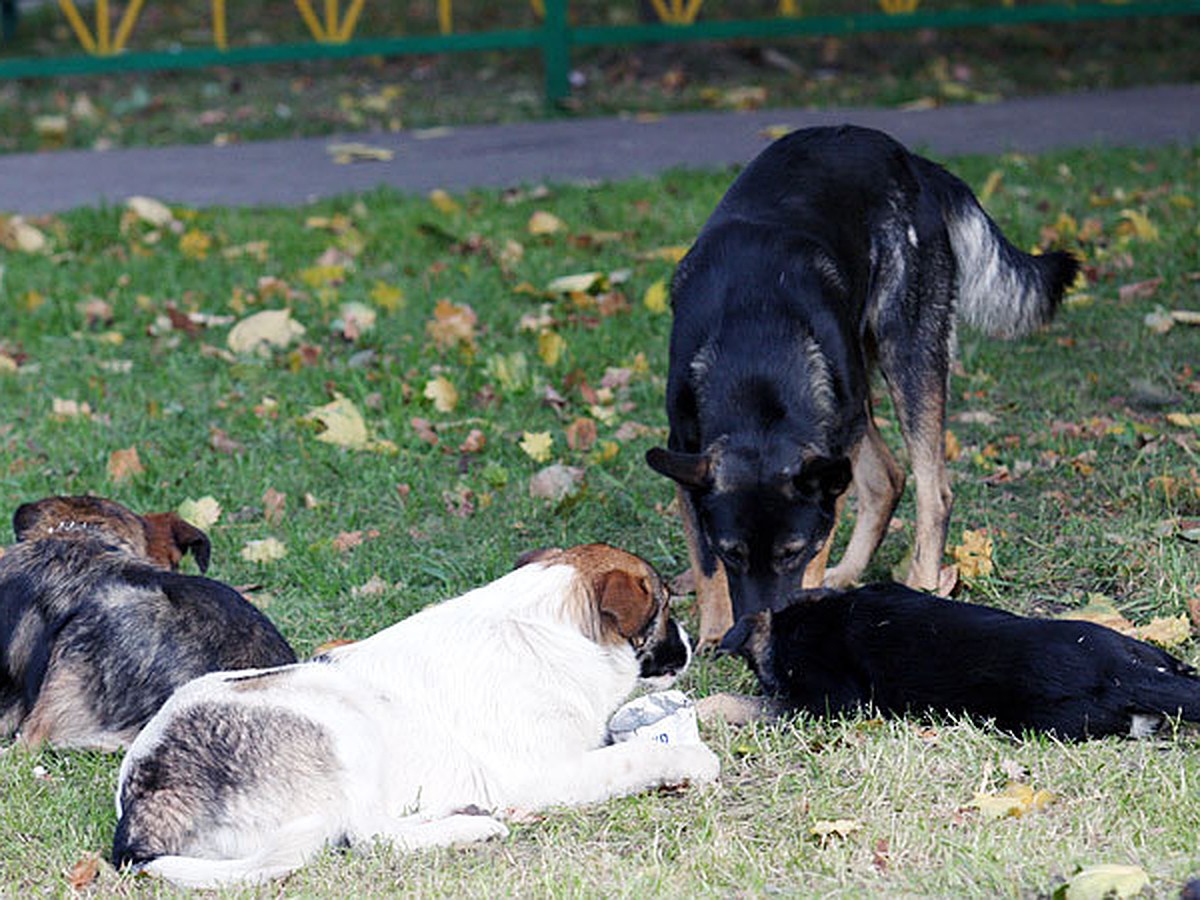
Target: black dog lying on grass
point(902, 651)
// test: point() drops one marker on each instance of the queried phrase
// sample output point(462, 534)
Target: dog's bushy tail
point(289, 848)
point(1002, 290)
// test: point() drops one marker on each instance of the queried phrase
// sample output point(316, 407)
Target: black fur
point(93, 639)
point(902, 651)
point(836, 251)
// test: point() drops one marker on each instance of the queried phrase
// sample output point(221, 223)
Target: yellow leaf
point(974, 555)
point(262, 330)
point(775, 132)
point(537, 445)
point(1015, 800)
point(344, 426)
point(443, 202)
point(583, 283)
point(323, 276)
point(841, 828)
point(344, 153)
point(511, 370)
point(62, 410)
point(1143, 228)
point(672, 254)
point(655, 298)
point(1184, 420)
point(452, 323)
point(195, 244)
point(1106, 880)
point(264, 551)
point(443, 394)
point(202, 513)
point(1100, 611)
point(550, 347)
point(124, 464)
point(387, 297)
point(542, 222)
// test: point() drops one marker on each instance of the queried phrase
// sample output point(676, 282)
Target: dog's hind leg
point(923, 425)
point(878, 484)
point(712, 591)
point(414, 833)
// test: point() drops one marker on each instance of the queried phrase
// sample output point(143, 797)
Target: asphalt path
point(290, 172)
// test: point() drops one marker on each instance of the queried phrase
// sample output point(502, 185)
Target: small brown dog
point(97, 628)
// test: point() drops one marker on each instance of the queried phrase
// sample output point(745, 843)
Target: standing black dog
point(97, 629)
point(903, 651)
point(835, 252)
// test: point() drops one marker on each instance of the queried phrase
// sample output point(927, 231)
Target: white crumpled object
point(665, 717)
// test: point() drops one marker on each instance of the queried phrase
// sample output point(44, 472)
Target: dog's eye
point(734, 554)
point(790, 557)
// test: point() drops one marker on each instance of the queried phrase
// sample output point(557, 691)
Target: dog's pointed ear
point(169, 537)
point(825, 476)
point(624, 600)
point(691, 470)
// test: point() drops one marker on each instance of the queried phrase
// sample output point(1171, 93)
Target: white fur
point(495, 699)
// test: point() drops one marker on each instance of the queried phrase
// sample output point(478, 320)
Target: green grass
point(274, 101)
point(1102, 496)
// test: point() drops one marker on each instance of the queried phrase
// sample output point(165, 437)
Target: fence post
point(556, 53)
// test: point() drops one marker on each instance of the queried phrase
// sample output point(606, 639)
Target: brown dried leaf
point(124, 464)
point(452, 324)
point(273, 505)
point(84, 872)
point(473, 443)
point(581, 434)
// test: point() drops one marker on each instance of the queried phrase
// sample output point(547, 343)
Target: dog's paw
point(692, 764)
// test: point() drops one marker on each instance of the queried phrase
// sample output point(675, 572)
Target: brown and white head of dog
point(620, 598)
point(160, 538)
point(495, 700)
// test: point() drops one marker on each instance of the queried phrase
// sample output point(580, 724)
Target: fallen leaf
point(579, 283)
point(386, 296)
point(151, 211)
point(556, 483)
point(220, 441)
point(671, 254)
point(17, 234)
point(974, 555)
point(348, 540)
point(542, 222)
point(550, 347)
point(1139, 290)
point(443, 394)
point(452, 323)
point(840, 828)
point(259, 332)
point(124, 464)
point(273, 505)
point(443, 202)
point(581, 434)
point(195, 244)
point(424, 430)
point(352, 151)
point(1101, 611)
point(202, 513)
point(62, 410)
point(1015, 800)
point(264, 551)
point(537, 445)
point(354, 320)
point(1105, 881)
point(1159, 321)
point(372, 587)
point(1184, 420)
point(1142, 227)
point(344, 426)
point(1166, 631)
point(84, 872)
point(473, 443)
point(655, 298)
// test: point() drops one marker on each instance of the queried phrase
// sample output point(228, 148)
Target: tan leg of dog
point(62, 715)
point(712, 594)
point(737, 709)
point(878, 484)
point(927, 451)
point(814, 572)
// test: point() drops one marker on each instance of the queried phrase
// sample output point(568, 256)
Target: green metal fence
point(555, 37)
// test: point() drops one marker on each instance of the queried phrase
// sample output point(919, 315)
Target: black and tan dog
point(834, 253)
point(901, 651)
point(97, 629)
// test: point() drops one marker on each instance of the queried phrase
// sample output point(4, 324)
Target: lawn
point(1075, 452)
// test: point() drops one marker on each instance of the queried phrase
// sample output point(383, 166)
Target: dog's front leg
point(414, 833)
point(878, 484)
point(712, 591)
point(618, 770)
